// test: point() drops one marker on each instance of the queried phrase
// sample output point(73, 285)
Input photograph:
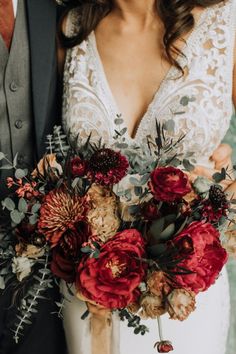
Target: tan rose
point(48, 161)
point(180, 303)
point(152, 306)
point(29, 251)
point(103, 215)
point(133, 308)
point(157, 284)
point(230, 242)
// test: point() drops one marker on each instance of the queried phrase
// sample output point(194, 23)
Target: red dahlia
point(59, 212)
point(107, 167)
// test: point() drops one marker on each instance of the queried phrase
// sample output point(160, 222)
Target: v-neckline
point(171, 73)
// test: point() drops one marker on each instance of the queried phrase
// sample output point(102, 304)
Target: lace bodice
point(200, 102)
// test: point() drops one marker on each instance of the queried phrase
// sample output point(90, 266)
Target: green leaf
point(134, 181)
point(8, 204)
point(157, 250)
point(188, 166)
point(86, 249)
point(36, 207)
point(123, 131)
point(22, 205)
point(2, 283)
point(15, 160)
point(17, 216)
point(2, 156)
point(167, 233)
point(20, 173)
point(169, 125)
point(6, 167)
point(144, 179)
point(33, 219)
point(138, 191)
point(157, 227)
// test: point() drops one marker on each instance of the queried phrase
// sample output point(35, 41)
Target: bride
point(139, 58)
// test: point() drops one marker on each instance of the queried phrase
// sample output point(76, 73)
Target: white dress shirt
point(15, 6)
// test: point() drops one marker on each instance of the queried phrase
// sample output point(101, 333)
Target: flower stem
point(160, 328)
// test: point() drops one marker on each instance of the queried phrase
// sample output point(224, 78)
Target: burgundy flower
point(216, 206)
point(164, 346)
point(59, 212)
point(66, 254)
point(78, 167)
point(169, 184)
point(112, 280)
point(107, 167)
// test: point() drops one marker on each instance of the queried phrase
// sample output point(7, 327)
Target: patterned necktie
point(7, 21)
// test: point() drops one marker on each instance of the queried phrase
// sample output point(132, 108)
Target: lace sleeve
point(72, 23)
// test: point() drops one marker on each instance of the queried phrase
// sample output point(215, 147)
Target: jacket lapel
point(42, 39)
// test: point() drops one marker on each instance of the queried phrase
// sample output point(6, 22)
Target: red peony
point(107, 167)
point(112, 280)
point(78, 167)
point(169, 184)
point(66, 254)
point(59, 212)
point(205, 256)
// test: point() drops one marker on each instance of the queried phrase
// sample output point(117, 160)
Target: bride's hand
point(98, 310)
point(222, 159)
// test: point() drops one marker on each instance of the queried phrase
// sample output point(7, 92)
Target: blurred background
point(231, 140)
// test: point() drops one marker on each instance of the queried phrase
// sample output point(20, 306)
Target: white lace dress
point(206, 111)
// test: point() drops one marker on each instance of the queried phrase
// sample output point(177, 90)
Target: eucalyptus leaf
point(9, 204)
point(134, 181)
point(15, 160)
point(157, 250)
point(187, 165)
point(138, 191)
point(2, 156)
point(2, 283)
point(20, 173)
point(36, 207)
point(33, 219)
point(22, 205)
point(17, 216)
point(6, 167)
point(119, 121)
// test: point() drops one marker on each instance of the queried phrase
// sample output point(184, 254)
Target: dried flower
point(21, 266)
point(107, 167)
point(164, 346)
point(103, 215)
point(158, 284)
point(180, 304)
point(47, 164)
point(152, 306)
point(59, 212)
point(78, 167)
point(29, 251)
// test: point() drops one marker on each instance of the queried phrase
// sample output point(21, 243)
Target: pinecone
point(217, 197)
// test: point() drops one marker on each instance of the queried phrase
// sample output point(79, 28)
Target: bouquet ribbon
point(101, 333)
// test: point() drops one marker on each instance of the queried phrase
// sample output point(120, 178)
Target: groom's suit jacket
point(28, 84)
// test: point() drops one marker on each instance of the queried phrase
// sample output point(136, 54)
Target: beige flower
point(230, 242)
point(21, 266)
point(103, 215)
point(29, 251)
point(157, 284)
point(46, 162)
point(134, 307)
point(152, 306)
point(180, 303)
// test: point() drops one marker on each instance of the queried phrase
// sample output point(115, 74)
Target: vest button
point(18, 124)
point(13, 86)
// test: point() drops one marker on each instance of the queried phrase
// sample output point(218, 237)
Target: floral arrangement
point(126, 225)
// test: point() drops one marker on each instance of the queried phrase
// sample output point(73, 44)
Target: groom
point(29, 108)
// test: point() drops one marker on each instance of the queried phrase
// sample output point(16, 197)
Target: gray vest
point(16, 121)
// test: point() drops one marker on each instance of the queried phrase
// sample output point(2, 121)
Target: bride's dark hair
point(175, 14)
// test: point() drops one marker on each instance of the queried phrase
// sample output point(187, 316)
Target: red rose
point(78, 167)
point(112, 280)
point(66, 254)
point(169, 184)
point(206, 256)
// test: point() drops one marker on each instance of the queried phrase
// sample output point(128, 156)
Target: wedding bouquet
point(125, 225)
